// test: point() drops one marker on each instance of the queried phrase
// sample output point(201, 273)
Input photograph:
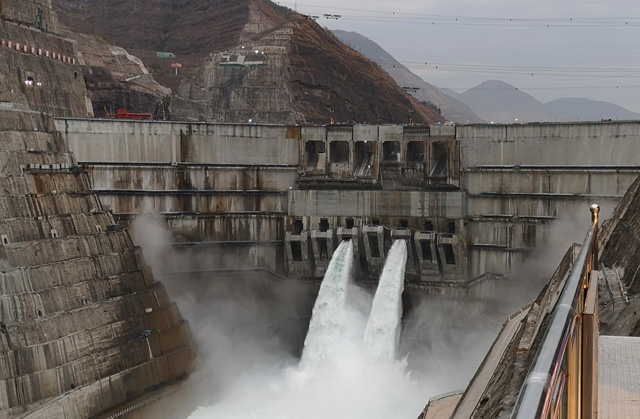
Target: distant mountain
point(501, 102)
point(590, 110)
point(452, 109)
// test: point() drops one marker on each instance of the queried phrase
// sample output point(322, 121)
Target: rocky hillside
point(307, 75)
point(116, 79)
point(179, 26)
point(296, 73)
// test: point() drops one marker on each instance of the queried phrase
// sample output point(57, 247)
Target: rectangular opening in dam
point(391, 152)
point(375, 246)
point(438, 161)
point(363, 158)
point(451, 227)
point(428, 226)
point(449, 256)
point(425, 247)
point(339, 152)
point(415, 152)
point(296, 251)
point(314, 155)
point(297, 227)
point(350, 222)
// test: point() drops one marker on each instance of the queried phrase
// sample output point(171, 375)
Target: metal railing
point(562, 381)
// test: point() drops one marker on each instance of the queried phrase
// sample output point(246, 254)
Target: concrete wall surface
point(120, 141)
point(500, 186)
point(578, 144)
point(376, 203)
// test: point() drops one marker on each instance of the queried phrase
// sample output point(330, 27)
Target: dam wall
point(83, 324)
point(468, 199)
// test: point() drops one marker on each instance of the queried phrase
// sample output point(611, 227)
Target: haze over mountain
point(500, 102)
point(452, 109)
point(590, 110)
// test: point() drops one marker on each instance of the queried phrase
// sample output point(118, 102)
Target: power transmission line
point(421, 18)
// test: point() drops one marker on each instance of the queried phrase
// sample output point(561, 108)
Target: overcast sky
point(548, 48)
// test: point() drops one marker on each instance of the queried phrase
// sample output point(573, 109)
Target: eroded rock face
point(178, 26)
point(296, 73)
point(36, 13)
point(116, 79)
point(40, 72)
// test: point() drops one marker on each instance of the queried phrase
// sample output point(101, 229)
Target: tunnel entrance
point(391, 152)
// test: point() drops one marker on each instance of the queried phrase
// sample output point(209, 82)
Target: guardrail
point(562, 381)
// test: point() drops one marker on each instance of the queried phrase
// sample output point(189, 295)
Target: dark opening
point(404, 223)
point(425, 246)
point(375, 247)
point(363, 158)
point(428, 226)
point(324, 225)
point(5, 240)
point(297, 227)
point(39, 313)
point(313, 150)
point(73, 386)
point(350, 223)
point(391, 151)
point(451, 227)
point(375, 222)
point(323, 249)
point(439, 160)
point(415, 152)
point(296, 251)
point(339, 152)
point(75, 75)
point(448, 254)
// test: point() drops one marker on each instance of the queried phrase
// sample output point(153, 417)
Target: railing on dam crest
point(562, 380)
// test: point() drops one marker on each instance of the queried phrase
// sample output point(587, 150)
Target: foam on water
point(382, 333)
point(340, 375)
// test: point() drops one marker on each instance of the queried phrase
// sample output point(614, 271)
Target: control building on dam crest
point(468, 199)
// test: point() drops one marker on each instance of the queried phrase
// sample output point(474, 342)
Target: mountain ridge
point(451, 108)
point(501, 102)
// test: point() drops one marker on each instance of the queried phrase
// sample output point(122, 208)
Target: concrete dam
point(468, 200)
